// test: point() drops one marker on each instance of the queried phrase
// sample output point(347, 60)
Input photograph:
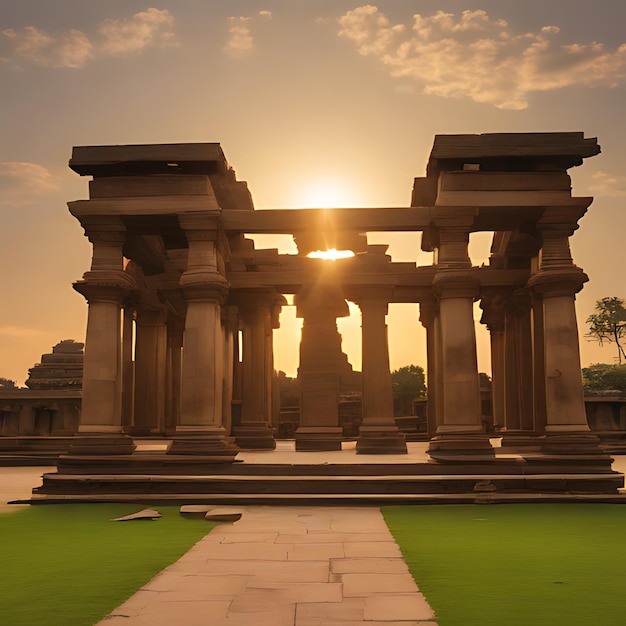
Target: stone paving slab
point(285, 566)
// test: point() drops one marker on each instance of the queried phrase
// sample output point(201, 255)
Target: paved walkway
point(279, 566)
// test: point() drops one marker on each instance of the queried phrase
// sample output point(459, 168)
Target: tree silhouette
point(609, 324)
point(408, 383)
point(604, 376)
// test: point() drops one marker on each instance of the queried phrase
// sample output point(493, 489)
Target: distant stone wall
point(26, 412)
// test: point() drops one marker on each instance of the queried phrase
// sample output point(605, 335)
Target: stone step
point(371, 499)
point(225, 485)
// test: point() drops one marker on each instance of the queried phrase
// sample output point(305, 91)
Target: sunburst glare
point(331, 255)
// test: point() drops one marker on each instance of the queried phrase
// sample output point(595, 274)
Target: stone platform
point(286, 476)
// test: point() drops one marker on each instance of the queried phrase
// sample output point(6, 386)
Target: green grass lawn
point(531, 564)
point(68, 565)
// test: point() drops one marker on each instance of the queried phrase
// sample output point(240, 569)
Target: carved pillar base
point(318, 438)
point(571, 443)
point(381, 440)
point(210, 442)
point(255, 436)
point(101, 444)
point(520, 440)
point(459, 446)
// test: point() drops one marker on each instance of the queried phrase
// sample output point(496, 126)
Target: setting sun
point(331, 255)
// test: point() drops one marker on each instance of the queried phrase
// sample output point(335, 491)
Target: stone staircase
point(499, 480)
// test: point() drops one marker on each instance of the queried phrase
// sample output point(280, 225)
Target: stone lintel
point(288, 221)
point(140, 206)
point(255, 298)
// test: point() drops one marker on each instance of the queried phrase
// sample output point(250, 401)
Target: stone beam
point(288, 221)
point(287, 279)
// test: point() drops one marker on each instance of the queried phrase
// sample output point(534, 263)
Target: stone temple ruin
point(175, 286)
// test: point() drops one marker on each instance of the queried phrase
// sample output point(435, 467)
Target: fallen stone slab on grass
point(144, 514)
point(195, 510)
point(211, 513)
point(224, 514)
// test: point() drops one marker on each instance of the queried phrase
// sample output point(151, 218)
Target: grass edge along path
point(69, 564)
point(540, 564)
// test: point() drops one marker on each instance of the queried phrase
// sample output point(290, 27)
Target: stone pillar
point(557, 282)
point(378, 433)
point(200, 430)
point(150, 372)
point(255, 430)
point(319, 373)
point(539, 368)
point(230, 324)
point(105, 287)
point(128, 366)
point(519, 431)
point(493, 317)
point(460, 432)
point(273, 396)
point(175, 329)
point(237, 376)
point(429, 312)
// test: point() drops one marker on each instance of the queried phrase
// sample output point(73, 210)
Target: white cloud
point(21, 183)
point(145, 29)
point(239, 36)
point(70, 49)
point(73, 48)
point(478, 57)
point(604, 184)
point(240, 39)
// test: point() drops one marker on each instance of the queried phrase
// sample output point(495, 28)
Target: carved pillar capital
point(107, 235)
point(450, 236)
point(105, 286)
point(206, 291)
point(556, 226)
point(455, 284)
point(555, 283)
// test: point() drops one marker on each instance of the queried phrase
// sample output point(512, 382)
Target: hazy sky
point(313, 102)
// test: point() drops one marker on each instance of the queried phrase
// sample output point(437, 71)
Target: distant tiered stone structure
point(175, 286)
point(38, 423)
point(62, 369)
